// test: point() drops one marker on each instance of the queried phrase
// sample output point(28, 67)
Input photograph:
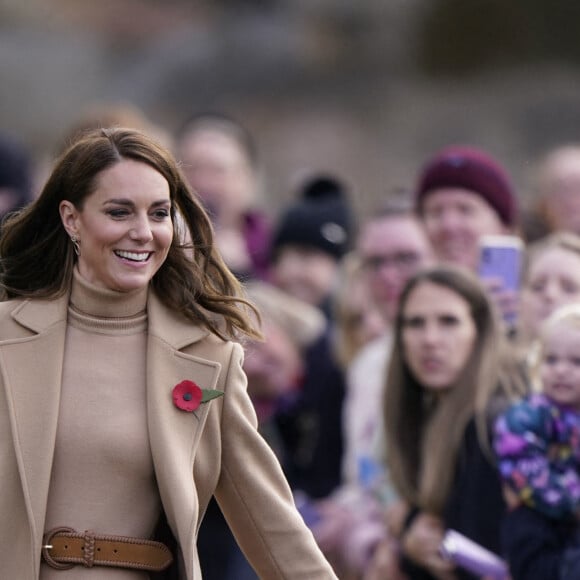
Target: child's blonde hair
point(568, 314)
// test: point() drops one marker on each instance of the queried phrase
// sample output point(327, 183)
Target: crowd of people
point(386, 391)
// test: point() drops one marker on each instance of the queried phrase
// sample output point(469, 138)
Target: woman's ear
point(69, 216)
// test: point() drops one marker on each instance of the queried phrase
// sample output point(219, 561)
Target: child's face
point(560, 366)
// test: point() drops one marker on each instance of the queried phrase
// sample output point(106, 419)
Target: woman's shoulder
point(9, 326)
point(215, 348)
point(11, 305)
point(7, 306)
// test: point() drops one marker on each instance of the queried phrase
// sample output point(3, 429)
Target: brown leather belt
point(64, 548)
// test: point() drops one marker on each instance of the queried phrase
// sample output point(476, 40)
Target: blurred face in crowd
point(560, 366)
point(438, 335)
point(273, 366)
point(124, 227)
point(553, 280)
point(362, 318)
point(392, 249)
point(218, 169)
point(560, 185)
point(305, 272)
point(455, 219)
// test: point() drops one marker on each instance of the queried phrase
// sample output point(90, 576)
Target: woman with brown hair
point(442, 386)
point(123, 403)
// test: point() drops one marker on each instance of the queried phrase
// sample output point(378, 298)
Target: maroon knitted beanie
point(469, 168)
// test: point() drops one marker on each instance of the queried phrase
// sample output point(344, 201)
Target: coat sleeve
point(255, 497)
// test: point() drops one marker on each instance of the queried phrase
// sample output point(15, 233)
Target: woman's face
point(438, 335)
point(124, 227)
point(219, 171)
point(553, 280)
point(273, 365)
point(455, 219)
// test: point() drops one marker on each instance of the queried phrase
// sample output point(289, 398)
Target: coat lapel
point(31, 367)
point(174, 434)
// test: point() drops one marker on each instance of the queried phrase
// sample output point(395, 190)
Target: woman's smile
point(136, 257)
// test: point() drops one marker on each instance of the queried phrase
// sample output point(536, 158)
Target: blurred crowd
point(407, 390)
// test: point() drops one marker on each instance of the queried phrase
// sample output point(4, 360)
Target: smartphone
point(501, 259)
point(476, 559)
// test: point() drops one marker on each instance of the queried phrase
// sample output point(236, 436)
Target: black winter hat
point(322, 218)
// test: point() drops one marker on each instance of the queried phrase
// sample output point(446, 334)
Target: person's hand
point(421, 544)
point(385, 562)
point(332, 525)
point(506, 301)
point(510, 497)
point(348, 533)
point(395, 515)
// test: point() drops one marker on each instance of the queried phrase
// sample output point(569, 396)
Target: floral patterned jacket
point(537, 445)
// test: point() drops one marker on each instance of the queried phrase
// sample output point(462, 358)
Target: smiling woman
point(113, 326)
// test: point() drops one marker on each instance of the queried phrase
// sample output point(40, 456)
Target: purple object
point(464, 552)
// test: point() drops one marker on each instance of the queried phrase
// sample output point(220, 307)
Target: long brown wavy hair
point(424, 433)
point(37, 257)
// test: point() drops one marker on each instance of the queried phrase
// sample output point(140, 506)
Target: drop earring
point(76, 245)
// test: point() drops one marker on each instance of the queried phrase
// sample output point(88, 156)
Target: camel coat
point(213, 451)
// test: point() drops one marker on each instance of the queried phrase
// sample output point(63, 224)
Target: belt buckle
point(47, 546)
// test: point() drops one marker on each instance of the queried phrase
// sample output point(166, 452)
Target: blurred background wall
point(364, 88)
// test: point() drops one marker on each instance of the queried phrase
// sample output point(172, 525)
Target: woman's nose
point(141, 230)
point(431, 333)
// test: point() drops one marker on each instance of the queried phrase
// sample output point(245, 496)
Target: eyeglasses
point(398, 260)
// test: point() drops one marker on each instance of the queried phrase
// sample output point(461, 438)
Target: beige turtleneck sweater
point(102, 474)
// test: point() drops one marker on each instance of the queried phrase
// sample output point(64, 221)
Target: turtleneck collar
point(104, 303)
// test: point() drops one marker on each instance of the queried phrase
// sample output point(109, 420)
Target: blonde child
point(537, 444)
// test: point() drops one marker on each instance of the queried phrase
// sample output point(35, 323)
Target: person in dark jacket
point(442, 383)
point(310, 240)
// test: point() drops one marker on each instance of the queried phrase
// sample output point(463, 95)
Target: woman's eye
point(550, 359)
point(118, 213)
point(449, 320)
point(161, 214)
point(413, 322)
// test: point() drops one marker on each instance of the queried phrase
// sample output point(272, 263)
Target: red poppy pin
point(188, 396)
